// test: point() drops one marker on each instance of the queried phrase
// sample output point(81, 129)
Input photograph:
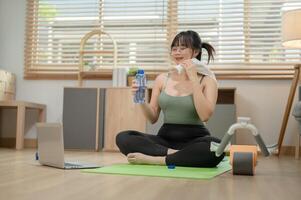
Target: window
point(139, 27)
point(245, 33)
point(242, 31)
point(54, 29)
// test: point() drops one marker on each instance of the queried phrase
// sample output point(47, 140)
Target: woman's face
point(181, 53)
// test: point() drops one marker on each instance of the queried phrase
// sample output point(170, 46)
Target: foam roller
point(243, 163)
point(243, 159)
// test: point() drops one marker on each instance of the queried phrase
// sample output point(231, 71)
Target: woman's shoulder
point(160, 80)
point(161, 77)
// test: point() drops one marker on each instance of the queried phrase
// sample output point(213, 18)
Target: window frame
point(222, 71)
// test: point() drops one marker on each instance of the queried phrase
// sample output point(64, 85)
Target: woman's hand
point(190, 69)
point(134, 87)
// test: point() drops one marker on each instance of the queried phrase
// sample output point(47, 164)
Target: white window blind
point(55, 27)
point(243, 32)
point(139, 27)
point(54, 30)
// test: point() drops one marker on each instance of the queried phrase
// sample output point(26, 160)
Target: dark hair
point(191, 39)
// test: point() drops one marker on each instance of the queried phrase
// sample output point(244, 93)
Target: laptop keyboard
point(72, 165)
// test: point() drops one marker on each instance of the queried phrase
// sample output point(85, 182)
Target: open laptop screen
point(50, 144)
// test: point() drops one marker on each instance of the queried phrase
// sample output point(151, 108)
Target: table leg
point(20, 127)
point(297, 149)
point(42, 115)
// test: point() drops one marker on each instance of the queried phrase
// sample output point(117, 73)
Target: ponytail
point(210, 50)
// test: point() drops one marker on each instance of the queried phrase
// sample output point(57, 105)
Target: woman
point(187, 99)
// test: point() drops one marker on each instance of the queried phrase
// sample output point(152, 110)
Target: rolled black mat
point(243, 163)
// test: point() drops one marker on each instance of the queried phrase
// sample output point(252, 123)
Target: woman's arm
point(204, 93)
point(205, 97)
point(152, 110)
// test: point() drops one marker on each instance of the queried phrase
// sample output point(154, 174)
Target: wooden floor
point(21, 177)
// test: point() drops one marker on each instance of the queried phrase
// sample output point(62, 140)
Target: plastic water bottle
point(141, 82)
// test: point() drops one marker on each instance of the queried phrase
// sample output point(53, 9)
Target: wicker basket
point(7, 86)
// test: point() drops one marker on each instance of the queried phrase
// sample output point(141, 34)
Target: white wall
point(262, 100)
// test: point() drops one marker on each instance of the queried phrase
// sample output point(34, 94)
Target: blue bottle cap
point(140, 71)
point(171, 166)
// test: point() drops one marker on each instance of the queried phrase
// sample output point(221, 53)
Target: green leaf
point(133, 71)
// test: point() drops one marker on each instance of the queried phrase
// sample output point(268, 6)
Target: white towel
point(202, 68)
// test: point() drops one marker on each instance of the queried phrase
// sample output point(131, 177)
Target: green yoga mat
point(163, 171)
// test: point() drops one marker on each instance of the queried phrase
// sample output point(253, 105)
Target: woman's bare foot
point(139, 158)
point(171, 151)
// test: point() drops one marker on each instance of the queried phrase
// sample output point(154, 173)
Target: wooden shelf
point(21, 107)
point(95, 74)
point(82, 74)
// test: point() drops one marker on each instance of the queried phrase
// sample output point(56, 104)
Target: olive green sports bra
point(178, 109)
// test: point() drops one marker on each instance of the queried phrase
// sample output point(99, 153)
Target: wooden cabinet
point(121, 114)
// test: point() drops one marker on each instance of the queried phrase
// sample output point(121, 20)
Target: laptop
point(51, 147)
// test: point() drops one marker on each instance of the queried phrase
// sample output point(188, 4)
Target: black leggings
point(191, 141)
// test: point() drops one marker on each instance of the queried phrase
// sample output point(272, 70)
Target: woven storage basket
point(7, 86)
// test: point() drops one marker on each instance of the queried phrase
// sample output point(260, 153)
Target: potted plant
point(131, 75)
